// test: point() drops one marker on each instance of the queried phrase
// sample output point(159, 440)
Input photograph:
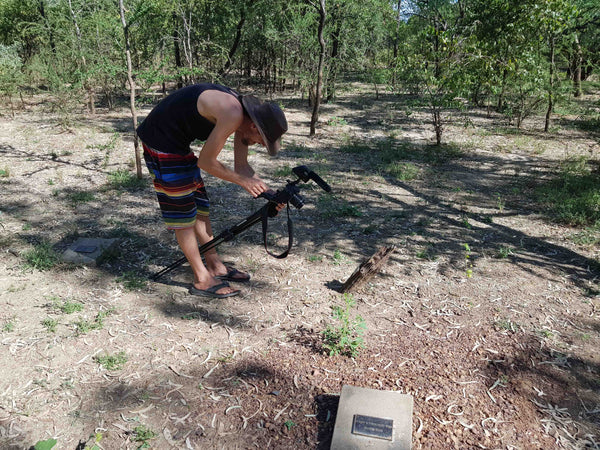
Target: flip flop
point(231, 276)
point(212, 291)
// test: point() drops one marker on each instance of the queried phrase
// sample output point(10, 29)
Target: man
point(210, 113)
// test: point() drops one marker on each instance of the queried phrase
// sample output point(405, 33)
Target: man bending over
point(210, 113)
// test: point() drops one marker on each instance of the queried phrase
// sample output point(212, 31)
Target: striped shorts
point(179, 187)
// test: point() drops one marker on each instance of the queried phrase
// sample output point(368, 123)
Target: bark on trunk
point(315, 113)
point(138, 161)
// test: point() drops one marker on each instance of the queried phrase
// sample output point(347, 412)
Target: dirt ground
point(487, 313)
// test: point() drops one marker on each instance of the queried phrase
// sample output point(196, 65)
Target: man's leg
point(213, 263)
point(203, 279)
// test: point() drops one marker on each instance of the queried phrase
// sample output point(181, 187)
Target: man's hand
point(255, 186)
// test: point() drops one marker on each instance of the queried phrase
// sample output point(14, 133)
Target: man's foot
point(234, 275)
point(221, 290)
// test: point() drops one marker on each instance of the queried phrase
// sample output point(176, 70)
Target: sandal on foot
point(234, 275)
point(212, 291)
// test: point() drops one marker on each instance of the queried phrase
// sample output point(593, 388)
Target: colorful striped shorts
point(179, 187)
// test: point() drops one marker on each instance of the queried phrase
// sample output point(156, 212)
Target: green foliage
point(48, 444)
point(143, 434)
point(68, 307)
point(50, 324)
point(345, 338)
point(5, 172)
point(41, 257)
point(83, 326)
point(112, 362)
point(8, 326)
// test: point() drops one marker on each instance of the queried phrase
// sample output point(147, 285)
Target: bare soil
point(496, 340)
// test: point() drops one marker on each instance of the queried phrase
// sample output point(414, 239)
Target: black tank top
point(175, 122)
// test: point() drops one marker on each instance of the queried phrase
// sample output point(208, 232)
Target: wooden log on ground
point(368, 269)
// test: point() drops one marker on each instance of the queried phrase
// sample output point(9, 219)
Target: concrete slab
point(372, 419)
point(89, 251)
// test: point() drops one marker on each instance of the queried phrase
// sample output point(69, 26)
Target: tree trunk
point(576, 69)
point(551, 87)
point(177, 50)
point(138, 161)
point(315, 113)
point(91, 100)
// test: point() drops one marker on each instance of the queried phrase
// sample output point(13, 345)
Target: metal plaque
point(86, 249)
point(375, 427)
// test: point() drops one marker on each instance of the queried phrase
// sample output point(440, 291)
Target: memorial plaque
point(86, 249)
point(373, 427)
point(372, 419)
point(89, 250)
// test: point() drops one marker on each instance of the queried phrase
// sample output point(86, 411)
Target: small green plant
point(83, 326)
point(346, 337)
point(125, 180)
point(41, 257)
point(338, 257)
point(468, 263)
point(45, 445)
point(504, 252)
point(289, 424)
point(464, 221)
point(427, 253)
point(506, 325)
point(331, 206)
point(403, 171)
point(143, 434)
point(50, 324)
point(79, 197)
point(315, 258)
point(4, 173)
point(9, 326)
point(500, 202)
point(112, 362)
point(337, 121)
point(132, 281)
point(69, 307)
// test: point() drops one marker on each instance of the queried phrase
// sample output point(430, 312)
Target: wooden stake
point(368, 269)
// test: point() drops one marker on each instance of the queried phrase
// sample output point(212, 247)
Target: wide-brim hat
point(269, 120)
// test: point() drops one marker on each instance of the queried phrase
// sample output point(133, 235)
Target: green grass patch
point(284, 171)
point(80, 197)
point(331, 206)
point(403, 171)
point(573, 196)
point(131, 281)
point(586, 238)
point(50, 324)
point(4, 173)
point(112, 362)
point(41, 257)
point(84, 326)
point(124, 180)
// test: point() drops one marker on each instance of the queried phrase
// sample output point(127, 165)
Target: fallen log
point(368, 269)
